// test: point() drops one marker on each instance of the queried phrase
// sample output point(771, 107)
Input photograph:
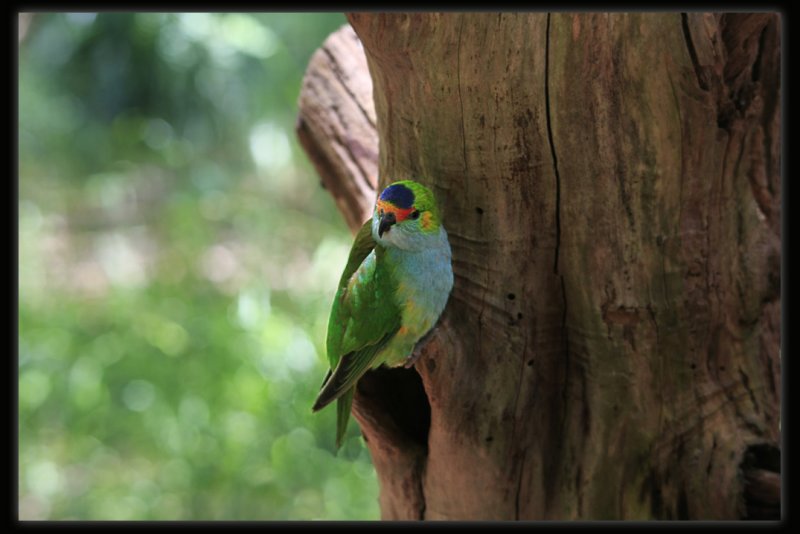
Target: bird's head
point(405, 216)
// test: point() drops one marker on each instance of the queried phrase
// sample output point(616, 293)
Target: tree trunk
point(611, 187)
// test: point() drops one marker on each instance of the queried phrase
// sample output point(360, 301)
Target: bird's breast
point(424, 283)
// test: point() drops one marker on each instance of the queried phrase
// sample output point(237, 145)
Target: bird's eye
point(415, 214)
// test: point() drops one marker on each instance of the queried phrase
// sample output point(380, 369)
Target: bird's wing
point(364, 317)
point(351, 367)
point(362, 246)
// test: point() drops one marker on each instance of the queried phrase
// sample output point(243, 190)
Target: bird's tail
point(340, 383)
point(343, 405)
point(344, 402)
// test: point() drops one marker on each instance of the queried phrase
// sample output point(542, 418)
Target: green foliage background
point(177, 260)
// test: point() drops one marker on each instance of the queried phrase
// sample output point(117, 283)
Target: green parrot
point(393, 289)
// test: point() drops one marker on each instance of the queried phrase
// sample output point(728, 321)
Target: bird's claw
point(412, 359)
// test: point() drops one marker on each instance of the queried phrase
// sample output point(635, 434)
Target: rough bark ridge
point(337, 124)
point(611, 187)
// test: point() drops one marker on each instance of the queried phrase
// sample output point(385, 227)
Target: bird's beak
point(387, 221)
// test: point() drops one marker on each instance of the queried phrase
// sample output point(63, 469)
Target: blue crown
point(399, 195)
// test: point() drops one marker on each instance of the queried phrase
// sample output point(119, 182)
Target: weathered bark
point(611, 187)
point(337, 124)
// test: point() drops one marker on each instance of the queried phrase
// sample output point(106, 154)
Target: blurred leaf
point(177, 265)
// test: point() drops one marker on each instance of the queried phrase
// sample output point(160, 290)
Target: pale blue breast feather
point(426, 281)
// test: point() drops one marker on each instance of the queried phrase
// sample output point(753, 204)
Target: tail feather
point(343, 405)
point(340, 383)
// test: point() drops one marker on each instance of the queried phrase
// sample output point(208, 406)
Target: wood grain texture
point(336, 124)
point(611, 187)
point(659, 224)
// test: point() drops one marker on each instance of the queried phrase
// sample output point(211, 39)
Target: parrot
point(395, 285)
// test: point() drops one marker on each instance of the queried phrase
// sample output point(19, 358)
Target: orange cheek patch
point(426, 220)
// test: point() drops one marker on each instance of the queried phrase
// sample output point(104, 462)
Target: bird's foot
point(411, 360)
point(417, 352)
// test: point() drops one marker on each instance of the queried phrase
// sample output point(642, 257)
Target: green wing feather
point(351, 367)
point(364, 318)
point(362, 246)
